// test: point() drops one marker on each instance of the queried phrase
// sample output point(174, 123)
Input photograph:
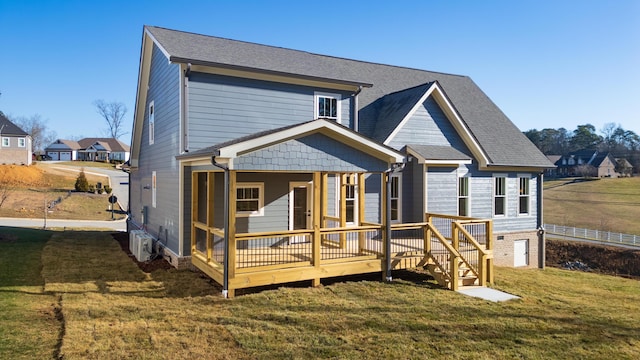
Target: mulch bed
point(149, 266)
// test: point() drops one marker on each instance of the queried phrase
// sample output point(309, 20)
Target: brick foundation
point(503, 251)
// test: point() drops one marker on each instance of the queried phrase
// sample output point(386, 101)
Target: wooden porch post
point(343, 209)
point(210, 187)
point(318, 207)
point(361, 208)
point(490, 250)
point(455, 260)
point(194, 209)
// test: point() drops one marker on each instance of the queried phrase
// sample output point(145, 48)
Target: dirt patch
point(149, 266)
point(599, 258)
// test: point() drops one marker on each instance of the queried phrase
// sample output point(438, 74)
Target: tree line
point(611, 138)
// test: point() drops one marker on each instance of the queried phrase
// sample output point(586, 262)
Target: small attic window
point(327, 106)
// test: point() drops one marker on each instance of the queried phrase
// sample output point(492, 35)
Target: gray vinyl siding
point(163, 220)
point(315, 152)
point(429, 126)
point(413, 192)
point(224, 108)
point(442, 190)
point(373, 198)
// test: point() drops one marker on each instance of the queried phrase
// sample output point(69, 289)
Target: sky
point(546, 64)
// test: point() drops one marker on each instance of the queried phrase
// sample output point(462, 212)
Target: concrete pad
point(487, 294)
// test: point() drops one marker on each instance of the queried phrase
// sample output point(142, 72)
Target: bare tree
point(36, 127)
point(113, 113)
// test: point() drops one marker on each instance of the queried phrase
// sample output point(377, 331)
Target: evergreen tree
point(81, 182)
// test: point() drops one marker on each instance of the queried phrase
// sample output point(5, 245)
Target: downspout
point(185, 109)
point(356, 122)
point(225, 282)
point(387, 221)
point(542, 259)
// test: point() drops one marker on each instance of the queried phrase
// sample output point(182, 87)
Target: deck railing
point(447, 241)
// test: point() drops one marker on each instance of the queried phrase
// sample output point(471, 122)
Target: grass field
point(34, 187)
point(77, 295)
point(607, 204)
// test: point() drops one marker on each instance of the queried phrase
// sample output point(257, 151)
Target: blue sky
point(546, 64)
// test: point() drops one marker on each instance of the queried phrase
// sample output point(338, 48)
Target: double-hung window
point(22, 142)
point(523, 204)
point(250, 199)
point(500, 196)
point(327, 106)
point(350, 199)
point(463, 196)
point(5, 141)
point(396, 190)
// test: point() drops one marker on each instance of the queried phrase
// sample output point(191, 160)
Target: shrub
point(92, 189)
point(108, 189)
point(81, 182)
point(100, 191)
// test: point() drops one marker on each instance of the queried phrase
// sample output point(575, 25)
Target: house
point(624, 167)
point(89, 149)
point(65, 150)
point(103, 149)
point(15, 143)
point(587, 162)
point(262, 165)
point(553, 172)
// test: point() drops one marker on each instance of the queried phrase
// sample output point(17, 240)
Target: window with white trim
point(5, 141)
point(22, 142)
point(250, 199)
point(152, 123)
point(327, 106)
point(154, 188)
point(396, 198)
point(500, 196)
point(523, 203)
point(350, 199)
point(463, 196)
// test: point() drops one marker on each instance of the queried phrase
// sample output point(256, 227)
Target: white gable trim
point(452, 116)
point(326, 127)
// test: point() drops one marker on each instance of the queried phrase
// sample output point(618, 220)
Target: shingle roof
point(110, 144)
point(439, 152)
point(501, 140)
point(9, 128)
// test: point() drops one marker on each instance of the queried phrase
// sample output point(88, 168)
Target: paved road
point(117, 225)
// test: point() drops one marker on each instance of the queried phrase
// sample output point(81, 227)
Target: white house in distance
point(89, 149)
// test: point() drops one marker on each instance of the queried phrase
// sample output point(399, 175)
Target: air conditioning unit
point(144, 248)
point(133, 241)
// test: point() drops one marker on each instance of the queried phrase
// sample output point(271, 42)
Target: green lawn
point(77, 295)
point(606, 204)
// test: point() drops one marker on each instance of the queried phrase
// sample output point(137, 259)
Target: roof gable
point(9, 128)
point(228, 151)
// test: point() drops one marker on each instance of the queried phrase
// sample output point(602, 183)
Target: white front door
point(300, 209)
point(520, 253)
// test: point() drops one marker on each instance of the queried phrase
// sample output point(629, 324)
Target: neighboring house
point(103, 149)
point(15, 143)
point(587, 163)
point(263, 165)
point(65, 150)
point(624, 167)
point(89, 149)
point(553, 172)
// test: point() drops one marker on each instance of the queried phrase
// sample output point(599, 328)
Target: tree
point(81, 182)
point(585, 137)
point(36, 127)
point(113, 113)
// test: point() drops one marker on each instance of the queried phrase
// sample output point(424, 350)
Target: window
point(396, 190)
point(499, 195)
point(152, 123)
point(250, 199)
point(21, 142)
point(154, 189)
point(327, 106)
point(523, 207)
point(350, 190)
point(5, 141)
point(463, 196)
